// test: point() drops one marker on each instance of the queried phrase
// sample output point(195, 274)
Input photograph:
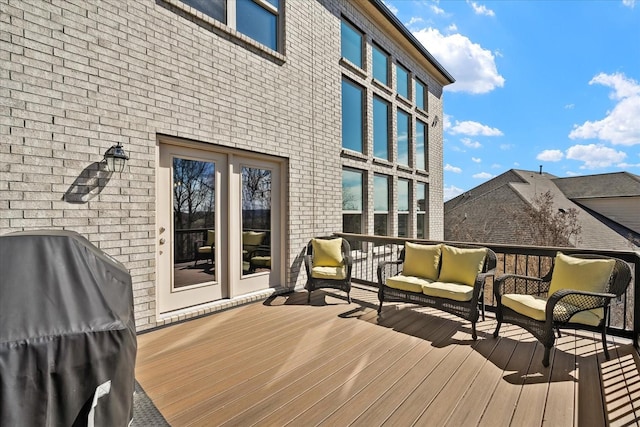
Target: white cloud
point(476, 160)
point(570, 106)
point(629, 3)
point(467, 142)
point(451, 191)
point(569, 173)
point(595, 156)
point(483, 175)
point(453, 169)
point(436, 10)
point(391, 7)
point(452, 28)
point(550, 155)
point(414, 20)
point(481, 9)
point(473, 67)
point(496, 166)
point(472, 128)
point(621, 125)
point(624, 165)
point(505, 147)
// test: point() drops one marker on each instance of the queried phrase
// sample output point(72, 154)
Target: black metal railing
point(528, 260)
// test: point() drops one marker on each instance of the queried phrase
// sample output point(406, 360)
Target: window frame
point(381, 213)
point(422, 212)
point(424, 156)
point(353, 212)
point(362, 118)
point(407, 82)
point(345, 23)
point(400, 112)
point(376, 48)
point(377, 142)
point(404, 212)
point(421, 88)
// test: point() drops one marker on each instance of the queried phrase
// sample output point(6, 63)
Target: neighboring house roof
point(607, 207)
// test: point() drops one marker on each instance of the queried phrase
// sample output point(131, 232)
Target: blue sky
point(551, 83)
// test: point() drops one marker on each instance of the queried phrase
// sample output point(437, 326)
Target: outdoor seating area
point(328, 263)
point(330, 363)
point(449, 278)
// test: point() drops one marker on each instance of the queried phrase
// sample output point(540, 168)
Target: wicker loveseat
point(575, 294)
point(449, 278)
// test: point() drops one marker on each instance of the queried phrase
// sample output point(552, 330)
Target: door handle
point(162, 241)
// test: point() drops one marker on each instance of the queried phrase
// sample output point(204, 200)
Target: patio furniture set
point(575, 294)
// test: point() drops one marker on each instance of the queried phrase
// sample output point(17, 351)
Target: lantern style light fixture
point(115, 158)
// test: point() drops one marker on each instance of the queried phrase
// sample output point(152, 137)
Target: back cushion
point(327, 253)
point(211, 237)
point(421, 260)
point(461, 265)
point(582, 274)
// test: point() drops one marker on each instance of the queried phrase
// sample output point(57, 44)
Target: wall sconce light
point(435, 121)
point(115, 158)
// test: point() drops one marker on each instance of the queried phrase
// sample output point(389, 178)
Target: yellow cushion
point(454, 291)
point(590, 275)
point(327, 253)
point(333, 273)
point(252, 238)
point(204, 249)
point(421, 260)
point(211, 237)
point(461, 265)
point(261, 261)
point(407, 283)
point(534, 307)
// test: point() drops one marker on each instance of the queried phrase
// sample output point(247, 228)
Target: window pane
point(352, 102)
point(256, 217)
point(421, 137)
point(421, 96)
point(380, 224)
point(380, 128)
point(380, 66)
point(351, 190)
point(403, 195)
point(351, 44)
point(421, 199)
point(402, 76)
point(421, 227)
point(403, 138)
point(380, 193)
point(257, 22)
point(214, 8)
point(403, 225)
point(352, 223)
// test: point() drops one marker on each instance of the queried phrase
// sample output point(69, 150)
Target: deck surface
point(283, 362)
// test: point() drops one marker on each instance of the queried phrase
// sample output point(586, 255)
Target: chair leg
point(545, 360)
point(474, 334)
point(349, 297)
point(604, 341)
point(309, 297)
point(495, 333)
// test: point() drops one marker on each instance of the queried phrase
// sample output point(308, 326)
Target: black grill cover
point(66, 329)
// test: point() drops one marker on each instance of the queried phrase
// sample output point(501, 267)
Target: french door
point(219, 226)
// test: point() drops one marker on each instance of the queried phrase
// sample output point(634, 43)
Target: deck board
point(283, 362)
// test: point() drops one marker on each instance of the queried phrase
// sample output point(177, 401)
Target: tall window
point(381, 128)
point(402, 137)
point(422, 205)
point(352, 116)
point(402, 81)
point(421, 143)
point(351, 43)
point(403, 207)
point(421, 95)
point(381, 205)
point(257, 19)
point(352, 201)
point(380, 65)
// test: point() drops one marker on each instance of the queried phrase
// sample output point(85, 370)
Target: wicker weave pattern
point(468, 310)
point(561, 306)
point(315, 283)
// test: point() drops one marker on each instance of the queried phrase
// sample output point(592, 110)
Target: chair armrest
point(382, 268)
point(582, 300)
point(512, 279)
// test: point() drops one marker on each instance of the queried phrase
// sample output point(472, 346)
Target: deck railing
point(368, 251)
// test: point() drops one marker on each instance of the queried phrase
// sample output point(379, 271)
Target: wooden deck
point(283, 362)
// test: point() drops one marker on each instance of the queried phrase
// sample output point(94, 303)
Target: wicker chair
point(469, 310)
point(558, 310)
point(334, 276)
point(205, 249)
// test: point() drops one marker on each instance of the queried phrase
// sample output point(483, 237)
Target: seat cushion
point(534, 307)
point(327, 252)
point(407, 283)
point(261, 261)
point(204, 249)
point(590, 275)
point(331, 273)
point(454, 291)
point(461, 265)
point(421, 260)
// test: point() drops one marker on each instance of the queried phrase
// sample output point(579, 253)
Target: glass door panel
point(256, 220)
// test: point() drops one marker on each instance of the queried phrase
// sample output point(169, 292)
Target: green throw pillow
point(327, 253)
point(461, 265)
point(421, 260)
point(591, 275)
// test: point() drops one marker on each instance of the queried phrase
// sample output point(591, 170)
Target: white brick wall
point(79, 76)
